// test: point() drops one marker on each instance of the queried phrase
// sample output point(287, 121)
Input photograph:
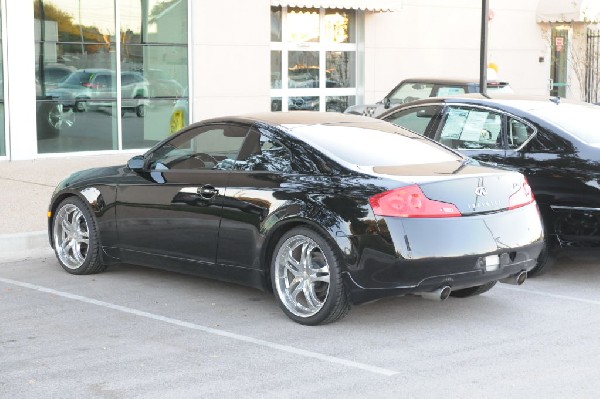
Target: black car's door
point(173, 207)
point(254, 190)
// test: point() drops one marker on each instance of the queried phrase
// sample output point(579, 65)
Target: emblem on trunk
point(481, 191)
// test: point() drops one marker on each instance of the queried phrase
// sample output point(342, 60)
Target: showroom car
point(418, 88)
point(553, 142)
point(274, 202)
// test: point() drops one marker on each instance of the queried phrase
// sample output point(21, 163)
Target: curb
point(24, 241)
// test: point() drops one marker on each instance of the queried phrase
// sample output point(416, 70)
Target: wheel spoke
point(295, 292)
point(311, 296)
point(292, 264)
point(77, 252)
point(324, 278)
point(307, 248)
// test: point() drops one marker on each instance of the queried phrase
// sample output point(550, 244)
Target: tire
point(75, 238)
point(140, 111)
point(545, 260)
point(80, 106)
point(472, 291)
point(320, 296)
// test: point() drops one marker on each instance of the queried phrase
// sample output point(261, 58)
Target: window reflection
point(76, 72)
point(340, 26)
point(341, 69)
point(319, 47)
point(339, 103)
point(303, 71)
point(276, 24)
point(304, 103)
point(276, 69)
point(303, 24)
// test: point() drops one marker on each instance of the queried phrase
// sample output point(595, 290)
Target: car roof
point(297, 118)
point(523, 102)
point(449, 81)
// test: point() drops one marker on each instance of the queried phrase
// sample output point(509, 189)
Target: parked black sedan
point(325, 210)
point(553, 142)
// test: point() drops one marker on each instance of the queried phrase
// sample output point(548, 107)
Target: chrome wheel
point(71, 236)
point(57, 117)
point(302, 276)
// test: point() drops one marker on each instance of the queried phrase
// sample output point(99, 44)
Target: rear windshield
point(580, 120)
point(374, 144)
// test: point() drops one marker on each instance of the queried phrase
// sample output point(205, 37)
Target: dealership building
point(83, 77)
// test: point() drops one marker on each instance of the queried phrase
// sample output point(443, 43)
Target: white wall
point(441, 38)
point(231, 57)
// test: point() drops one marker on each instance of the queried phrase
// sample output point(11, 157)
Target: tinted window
point(518, 133)
point(469, 128)
point(261, 153)
point(207, 147)
point(374, 144)
point(416, 118)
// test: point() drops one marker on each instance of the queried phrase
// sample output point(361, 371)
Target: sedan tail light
point(522, 196)
point(410, 202)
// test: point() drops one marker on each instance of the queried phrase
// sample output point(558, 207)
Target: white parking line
point(209, 330)
point(550, 295)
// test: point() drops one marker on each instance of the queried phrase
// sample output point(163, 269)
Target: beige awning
point(368, 5)
point(568, 11)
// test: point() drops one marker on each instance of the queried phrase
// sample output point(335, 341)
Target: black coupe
point(324, 209)
point(555, 143)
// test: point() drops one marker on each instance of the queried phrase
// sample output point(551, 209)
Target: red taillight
point(522, 196)
point(410, 202)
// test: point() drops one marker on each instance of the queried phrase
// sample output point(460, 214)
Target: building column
point(20, 80)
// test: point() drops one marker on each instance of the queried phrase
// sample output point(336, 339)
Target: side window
point(262, 153)
point(518, 133)
point(469, 128)
point(206, 147)
point(103, 81)
point(411, 92)
point(416, 118)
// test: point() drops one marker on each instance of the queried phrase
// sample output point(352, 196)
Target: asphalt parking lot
point(135, 332)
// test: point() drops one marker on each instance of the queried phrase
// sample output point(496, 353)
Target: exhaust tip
point(440, 294)
point(516, 279)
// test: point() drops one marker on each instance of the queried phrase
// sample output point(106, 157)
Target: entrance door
point(558, 65)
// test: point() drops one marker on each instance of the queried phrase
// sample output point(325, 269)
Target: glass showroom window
point(313, 59)
point(81, 105)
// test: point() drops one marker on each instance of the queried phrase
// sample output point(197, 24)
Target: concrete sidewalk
point(25, 190)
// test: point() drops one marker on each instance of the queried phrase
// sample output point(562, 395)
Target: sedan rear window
point(373, 145)
point(579, 120)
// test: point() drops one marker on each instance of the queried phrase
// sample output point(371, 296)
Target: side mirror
point(136, 163)
point(386, 102)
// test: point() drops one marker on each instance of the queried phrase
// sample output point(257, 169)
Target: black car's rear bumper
point(421, 255)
